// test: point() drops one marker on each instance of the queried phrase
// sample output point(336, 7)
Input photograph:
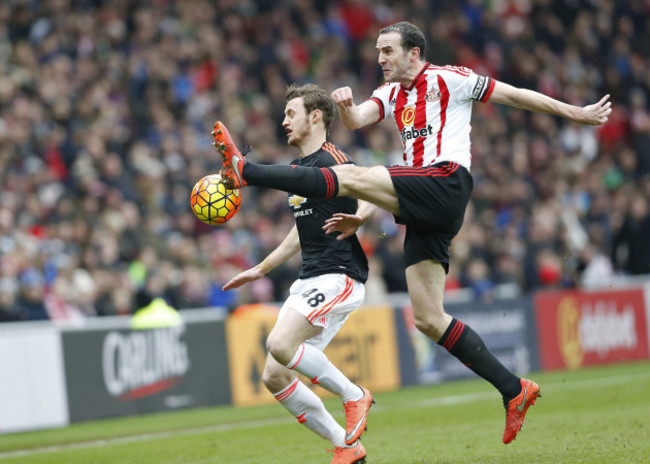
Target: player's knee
point(430, 324)
point(269, 379)
point(280, 349)
point(274, 379)
point(423, 324)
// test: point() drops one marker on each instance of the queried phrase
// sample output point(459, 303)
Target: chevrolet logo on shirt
point(296, 200)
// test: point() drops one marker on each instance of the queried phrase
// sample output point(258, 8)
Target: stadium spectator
point(32, 295)
point(10, 311)
point(153, 308)
point(631, 243)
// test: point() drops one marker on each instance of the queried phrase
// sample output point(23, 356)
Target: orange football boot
point(356, 454)
point(517, 407)
point(233, 160)
point(356, 414)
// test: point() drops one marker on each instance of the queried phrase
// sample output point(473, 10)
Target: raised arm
point(354, 116)
point(534, 101)
point(285, 250)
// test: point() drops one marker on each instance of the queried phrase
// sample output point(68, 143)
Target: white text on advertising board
point(135, 360)
point(603, 328)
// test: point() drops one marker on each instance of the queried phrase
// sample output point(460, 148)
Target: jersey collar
point(410, 87)
point(313, 152)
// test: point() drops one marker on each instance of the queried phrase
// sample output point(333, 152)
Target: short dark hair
point(411, 35)
point(314, 98)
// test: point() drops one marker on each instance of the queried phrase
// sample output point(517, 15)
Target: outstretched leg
point(372, 184)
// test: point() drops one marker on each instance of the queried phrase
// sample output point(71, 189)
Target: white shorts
point(326, 301)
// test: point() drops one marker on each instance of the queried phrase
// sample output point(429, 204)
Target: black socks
point(304, 181)
point(461, 341)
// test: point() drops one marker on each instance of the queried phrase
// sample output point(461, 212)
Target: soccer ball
point(212, 202)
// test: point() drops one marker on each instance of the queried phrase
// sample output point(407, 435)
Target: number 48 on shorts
point(323, 297)
point(313, 297)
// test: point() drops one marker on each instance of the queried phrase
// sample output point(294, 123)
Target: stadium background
point(105, 115)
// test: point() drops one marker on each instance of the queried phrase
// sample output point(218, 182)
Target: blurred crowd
point(106, 109)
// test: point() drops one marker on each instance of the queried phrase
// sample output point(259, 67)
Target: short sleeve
point(482, 87)
point(384, 97)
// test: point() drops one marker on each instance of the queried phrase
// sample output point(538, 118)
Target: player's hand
point(597, 113)
point(343, 97)
point(242, 278)
point(346, 224)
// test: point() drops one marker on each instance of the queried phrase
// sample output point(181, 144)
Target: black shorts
point(432, 202)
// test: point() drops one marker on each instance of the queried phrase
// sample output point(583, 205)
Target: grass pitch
point(596, 415)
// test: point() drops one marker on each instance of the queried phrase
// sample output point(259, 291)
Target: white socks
point(313, 363)
point(310, 411)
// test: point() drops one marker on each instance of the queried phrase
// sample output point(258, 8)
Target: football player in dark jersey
point(329, 287)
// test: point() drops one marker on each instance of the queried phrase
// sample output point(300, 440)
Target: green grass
point(597, 415)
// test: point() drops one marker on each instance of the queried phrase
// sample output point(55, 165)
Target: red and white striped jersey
point(433, 115)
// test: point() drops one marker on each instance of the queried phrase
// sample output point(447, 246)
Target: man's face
point(393, 59)
point(296, 122)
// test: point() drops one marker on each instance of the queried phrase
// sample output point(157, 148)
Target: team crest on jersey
point(408, 115)
point(433, 95)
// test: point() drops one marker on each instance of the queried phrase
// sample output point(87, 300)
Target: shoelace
point(334, 451)
point(331, 451)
